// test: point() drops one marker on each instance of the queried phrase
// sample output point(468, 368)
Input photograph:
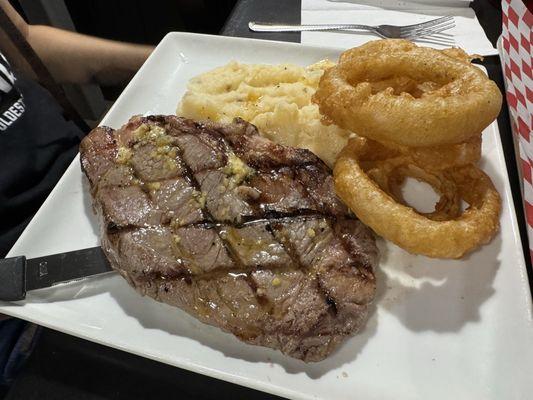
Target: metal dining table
point(64, 367)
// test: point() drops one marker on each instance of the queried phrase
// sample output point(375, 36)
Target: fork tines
point(430, 28)
point(427, 24)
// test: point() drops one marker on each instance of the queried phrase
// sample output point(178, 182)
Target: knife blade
point(19, 275)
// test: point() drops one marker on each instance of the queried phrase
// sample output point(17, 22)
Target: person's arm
point(72, 57)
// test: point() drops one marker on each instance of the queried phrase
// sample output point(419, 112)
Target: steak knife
point(19, 275)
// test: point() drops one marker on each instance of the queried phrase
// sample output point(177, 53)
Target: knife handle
point(13, 278)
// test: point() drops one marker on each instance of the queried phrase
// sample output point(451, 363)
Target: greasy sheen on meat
point(240, 232)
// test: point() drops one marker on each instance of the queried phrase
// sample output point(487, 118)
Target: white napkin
point(466, 34)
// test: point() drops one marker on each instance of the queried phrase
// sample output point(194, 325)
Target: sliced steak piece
point(145, 254)
point(223, 200)
point(202, 151)
point(128, 206)
point(99, 150)
point(202, 250)
point(240, 232)
point(281, 192)
point(153, 163)
point(178, 199)
point(254, 246)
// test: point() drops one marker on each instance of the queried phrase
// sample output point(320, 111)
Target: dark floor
point(63, 367)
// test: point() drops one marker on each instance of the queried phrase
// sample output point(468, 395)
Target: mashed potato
point(275, 98)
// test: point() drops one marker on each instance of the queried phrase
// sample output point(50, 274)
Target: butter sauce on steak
point(238, 231)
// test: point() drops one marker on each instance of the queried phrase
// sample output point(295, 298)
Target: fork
point(423, 29)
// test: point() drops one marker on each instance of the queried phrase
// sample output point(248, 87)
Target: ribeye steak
point(238, 231)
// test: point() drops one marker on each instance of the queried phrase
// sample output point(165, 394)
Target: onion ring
point(394, 91)
point(437, 158)
point(434, 158)
point(409, 229)
point(391, 174)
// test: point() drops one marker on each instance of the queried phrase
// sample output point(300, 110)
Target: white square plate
point(438, 330)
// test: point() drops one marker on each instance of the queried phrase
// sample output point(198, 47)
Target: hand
point(3, 317)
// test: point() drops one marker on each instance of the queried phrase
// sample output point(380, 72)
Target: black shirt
point(36, 146)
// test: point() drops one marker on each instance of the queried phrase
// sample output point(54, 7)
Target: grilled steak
point(238, 231)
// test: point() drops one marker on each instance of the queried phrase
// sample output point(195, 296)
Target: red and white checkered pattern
point(517, 62)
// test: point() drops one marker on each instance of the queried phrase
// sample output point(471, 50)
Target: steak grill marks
point(191, 202)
